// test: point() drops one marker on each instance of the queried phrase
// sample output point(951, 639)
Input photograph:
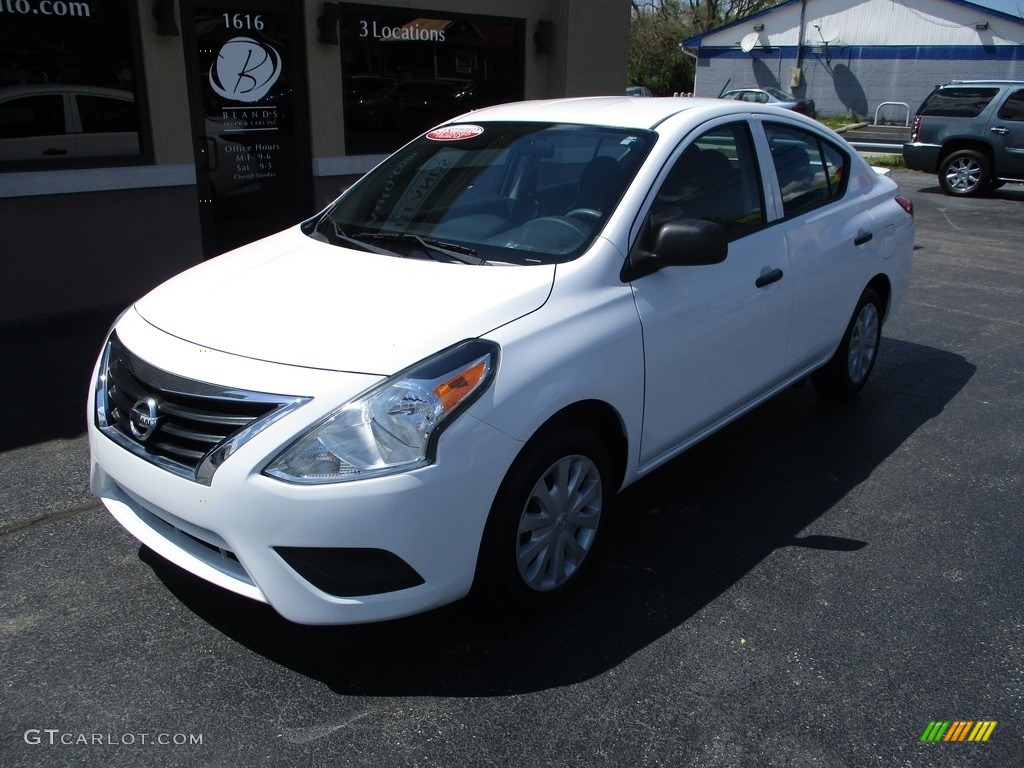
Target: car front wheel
point(850, 367)
point(545, 521)
point(965, 173)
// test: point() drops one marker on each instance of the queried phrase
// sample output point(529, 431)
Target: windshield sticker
point(455, 132)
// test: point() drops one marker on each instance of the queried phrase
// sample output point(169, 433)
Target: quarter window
point(1013, 107)
point(958, 102)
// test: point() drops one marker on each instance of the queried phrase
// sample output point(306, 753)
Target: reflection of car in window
point(357, 91)
point(53, 122)
point(774, 97)
point(410, 103)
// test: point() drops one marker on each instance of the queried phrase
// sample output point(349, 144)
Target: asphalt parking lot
point(812, 586)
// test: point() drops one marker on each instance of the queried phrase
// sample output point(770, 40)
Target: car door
point(105, 125)
point(34, 127)
point(714, 336)
point(1006, 132)
point(829, 235)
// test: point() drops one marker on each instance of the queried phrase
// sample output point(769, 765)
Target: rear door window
point(100, 114)
point(958, 102)
point(810, 170)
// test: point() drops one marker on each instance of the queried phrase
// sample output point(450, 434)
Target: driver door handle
point(768, 278)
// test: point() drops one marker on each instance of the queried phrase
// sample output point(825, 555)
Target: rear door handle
point(1000, 130)
point(862, 237)
point(53, 151)
point(768, 278)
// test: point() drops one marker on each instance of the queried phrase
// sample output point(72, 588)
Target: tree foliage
point(658, 26)
point(655, 58)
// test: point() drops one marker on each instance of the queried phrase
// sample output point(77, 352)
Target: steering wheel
point(554, 233)
point(588, 216)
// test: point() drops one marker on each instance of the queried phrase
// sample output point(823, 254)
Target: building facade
point(138, 137)
point(853, 57)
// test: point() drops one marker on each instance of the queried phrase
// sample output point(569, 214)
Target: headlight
point(394, 426)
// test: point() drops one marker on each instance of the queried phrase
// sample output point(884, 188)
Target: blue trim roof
point(885, 52)
point(695, 41)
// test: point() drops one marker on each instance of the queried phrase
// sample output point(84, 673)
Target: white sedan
point(441, 380)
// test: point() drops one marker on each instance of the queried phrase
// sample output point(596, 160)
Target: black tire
point(965, 173)
point(850, 367)
point(534, 551)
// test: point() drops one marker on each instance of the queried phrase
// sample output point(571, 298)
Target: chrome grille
point(185, 426)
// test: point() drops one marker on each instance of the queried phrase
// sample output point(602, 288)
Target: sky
point(1006, 6)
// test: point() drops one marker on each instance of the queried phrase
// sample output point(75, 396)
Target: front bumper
point(315, 553)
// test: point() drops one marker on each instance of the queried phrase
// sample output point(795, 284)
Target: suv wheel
point(965, 173)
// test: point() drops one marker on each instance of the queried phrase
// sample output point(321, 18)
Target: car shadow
point(1009, 191)
point(675, 542)
point(45, 376)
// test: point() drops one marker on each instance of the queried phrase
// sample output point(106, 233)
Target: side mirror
point(679, 243)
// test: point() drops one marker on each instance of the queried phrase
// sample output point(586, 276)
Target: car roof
point(9, 91)
point(611, 111)
point(982, 82)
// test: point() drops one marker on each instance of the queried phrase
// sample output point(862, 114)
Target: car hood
point(293, 300)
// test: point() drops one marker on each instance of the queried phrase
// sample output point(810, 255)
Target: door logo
point(245, 70)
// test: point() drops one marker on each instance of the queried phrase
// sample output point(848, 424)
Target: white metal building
point(851, 57)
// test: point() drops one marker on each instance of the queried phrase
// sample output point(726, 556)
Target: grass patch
point(837, 122)
point(886, 161)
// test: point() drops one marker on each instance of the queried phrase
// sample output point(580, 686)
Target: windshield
point(520, 193)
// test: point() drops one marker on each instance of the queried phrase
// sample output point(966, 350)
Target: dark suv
point(972, 133)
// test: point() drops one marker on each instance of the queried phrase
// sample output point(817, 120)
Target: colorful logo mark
point(958, 730)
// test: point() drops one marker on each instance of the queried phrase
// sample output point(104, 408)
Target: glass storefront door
point(249, 117)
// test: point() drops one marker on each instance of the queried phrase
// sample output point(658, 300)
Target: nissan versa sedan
point(440, 381)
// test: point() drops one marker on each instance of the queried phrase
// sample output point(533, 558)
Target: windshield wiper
point(453, 251)
point(338, 236)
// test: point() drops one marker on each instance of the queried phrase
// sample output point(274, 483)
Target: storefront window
point(405, 71)
point(67, 83)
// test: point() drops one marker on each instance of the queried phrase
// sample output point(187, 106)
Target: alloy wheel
point(559, 523)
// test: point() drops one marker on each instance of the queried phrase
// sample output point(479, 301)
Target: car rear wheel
point(850, 367)
point(965, 173)
point(545, 521)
